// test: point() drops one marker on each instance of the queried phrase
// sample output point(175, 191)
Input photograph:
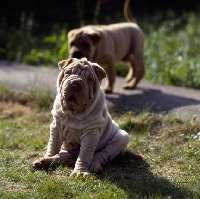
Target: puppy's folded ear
point(62, 64)
point(100, 72)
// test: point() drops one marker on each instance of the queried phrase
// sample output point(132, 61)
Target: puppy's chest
point(70, 138)
point(72, 129)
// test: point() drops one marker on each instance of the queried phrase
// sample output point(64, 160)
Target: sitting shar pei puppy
point(108, 44)
point(82, 131)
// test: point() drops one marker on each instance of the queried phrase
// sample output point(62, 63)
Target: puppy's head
point(78, 83)
point(82, 43)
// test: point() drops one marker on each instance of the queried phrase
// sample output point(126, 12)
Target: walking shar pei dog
point(107, 44)
point(82, 131)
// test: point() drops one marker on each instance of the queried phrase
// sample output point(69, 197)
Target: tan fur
point(107, 44)
point(82, 131)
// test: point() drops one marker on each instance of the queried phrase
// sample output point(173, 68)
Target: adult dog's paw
point(95, 167)
point(107, 89)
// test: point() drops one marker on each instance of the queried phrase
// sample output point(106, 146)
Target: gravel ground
point(158, 98)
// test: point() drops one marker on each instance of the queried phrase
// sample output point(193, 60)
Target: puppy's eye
point(84, 44)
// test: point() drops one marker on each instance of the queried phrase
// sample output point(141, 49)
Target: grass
point(170, 146)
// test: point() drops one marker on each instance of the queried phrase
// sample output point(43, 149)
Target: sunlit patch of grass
point(17, 111)
point(39, 99)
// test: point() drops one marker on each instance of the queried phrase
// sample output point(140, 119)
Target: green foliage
point(15, 43)
point(171, 48)
point(56, 49)
point(6, 93)
point(41, 100)
point(22, 45)
point(172, 51)
point(122, 69)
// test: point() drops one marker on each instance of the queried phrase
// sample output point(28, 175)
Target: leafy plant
point(171, 47)
point(56, 49)
point(171, 52)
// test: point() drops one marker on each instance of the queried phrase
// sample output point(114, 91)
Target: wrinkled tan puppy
point(107, 44)
point(82, 131)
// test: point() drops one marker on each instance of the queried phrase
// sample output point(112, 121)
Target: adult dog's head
point(78, 83)
point(82, 42)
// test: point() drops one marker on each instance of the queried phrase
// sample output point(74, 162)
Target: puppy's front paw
point(45, 163)
point(95, 167)
point(80, 173)
point(42, 163)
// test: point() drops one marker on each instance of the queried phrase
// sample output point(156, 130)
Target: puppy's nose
point(75, 87)
point(77, 54)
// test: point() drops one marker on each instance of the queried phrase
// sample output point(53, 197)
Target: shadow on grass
point(152, 99)
point(135, 178)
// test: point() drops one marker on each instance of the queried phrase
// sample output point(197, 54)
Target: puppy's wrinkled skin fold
point(107, 44)
point(82, 131)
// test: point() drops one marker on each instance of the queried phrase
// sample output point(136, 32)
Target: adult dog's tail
point(127, 13)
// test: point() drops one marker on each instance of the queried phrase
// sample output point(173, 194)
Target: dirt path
point(158, 98)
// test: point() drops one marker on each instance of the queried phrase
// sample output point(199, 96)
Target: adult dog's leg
point(111, 73)
point(116, 146)
point(136, 70)
point(132, 68)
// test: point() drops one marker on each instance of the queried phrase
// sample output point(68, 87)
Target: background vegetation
point(34, 32)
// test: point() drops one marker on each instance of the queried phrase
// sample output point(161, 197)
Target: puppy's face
point(82, 43)
point(78, 83)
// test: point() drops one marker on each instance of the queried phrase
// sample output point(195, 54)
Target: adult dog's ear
point(100, 72)
point(95, 37)
point(62, 64)
point(71, 33)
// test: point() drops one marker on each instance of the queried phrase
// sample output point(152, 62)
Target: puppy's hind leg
point(116, 146)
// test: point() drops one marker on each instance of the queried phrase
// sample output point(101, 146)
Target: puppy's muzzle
point(70, 90)
point(73, 93)
point(75, 87)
